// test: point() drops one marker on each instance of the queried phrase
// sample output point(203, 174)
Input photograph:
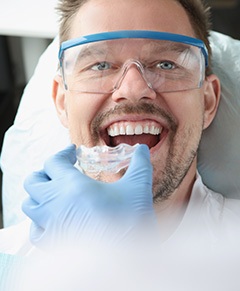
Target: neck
point(170, 212)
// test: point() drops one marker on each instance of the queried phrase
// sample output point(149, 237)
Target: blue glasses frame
point(148, 34)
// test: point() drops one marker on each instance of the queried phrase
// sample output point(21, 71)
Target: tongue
point(148, 139)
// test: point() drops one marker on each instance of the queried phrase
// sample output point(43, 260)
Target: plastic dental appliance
point(104, 158)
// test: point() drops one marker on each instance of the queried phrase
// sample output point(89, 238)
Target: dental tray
point(104, 158)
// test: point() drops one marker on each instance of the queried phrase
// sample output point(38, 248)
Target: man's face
point(179, 116)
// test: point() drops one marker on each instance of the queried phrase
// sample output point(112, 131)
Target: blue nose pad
point(125, 70)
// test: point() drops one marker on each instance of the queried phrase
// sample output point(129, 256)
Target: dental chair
point(37, 133)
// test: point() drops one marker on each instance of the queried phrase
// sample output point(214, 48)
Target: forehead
point(110, 15)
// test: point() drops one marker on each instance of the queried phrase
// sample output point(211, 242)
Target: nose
point(132, 85)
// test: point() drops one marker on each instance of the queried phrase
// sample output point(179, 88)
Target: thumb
point(140, 167)
point(60, 163)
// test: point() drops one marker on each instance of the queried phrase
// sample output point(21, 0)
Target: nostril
point(133, 90)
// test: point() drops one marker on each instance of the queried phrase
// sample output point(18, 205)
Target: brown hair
point(199, 15)
point(197, 11)
point(67, 10)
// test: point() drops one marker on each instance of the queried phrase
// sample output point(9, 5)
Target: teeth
point(116, 130)
point(138, 129)
point(152, 130)
point(129, 130)
point(146, 129)
point(124, 128)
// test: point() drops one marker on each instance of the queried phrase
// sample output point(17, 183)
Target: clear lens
point(100, 67)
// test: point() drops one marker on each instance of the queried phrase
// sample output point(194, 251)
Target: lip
point(135, 118)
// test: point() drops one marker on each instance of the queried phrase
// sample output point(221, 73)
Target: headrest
point(219, 153)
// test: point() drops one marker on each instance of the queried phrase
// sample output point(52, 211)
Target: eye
point(101, 66)
point(166, 65)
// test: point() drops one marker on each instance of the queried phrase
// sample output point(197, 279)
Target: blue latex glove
point(65, 205)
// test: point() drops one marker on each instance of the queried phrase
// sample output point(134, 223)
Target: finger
point(58, 165)
point(35, 212)
point(32, 210)
point(140, 167)
point(34, 185)
point(28, 206)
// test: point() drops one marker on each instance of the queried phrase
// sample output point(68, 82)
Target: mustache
point(140, 108)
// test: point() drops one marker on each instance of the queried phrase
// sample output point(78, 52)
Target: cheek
point(187, 109)
point(190, 116)
point(81, 111)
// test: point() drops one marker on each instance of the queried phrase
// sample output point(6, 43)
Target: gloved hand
point(67, 206)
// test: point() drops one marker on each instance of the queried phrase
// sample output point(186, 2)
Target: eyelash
point(156, 64)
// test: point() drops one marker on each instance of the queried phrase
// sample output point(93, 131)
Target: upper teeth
point(127, 128)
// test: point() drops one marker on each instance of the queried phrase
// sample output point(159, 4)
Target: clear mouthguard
point(104, 158)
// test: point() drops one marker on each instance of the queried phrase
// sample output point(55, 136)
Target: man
point(112, 89)
point(137, 76)
point(179, 103)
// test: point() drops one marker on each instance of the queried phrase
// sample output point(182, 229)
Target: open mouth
point(132, 132)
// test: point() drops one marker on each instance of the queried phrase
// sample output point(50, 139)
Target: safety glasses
point(99, 63)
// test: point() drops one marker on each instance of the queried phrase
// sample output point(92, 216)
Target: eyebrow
point(170, 46)
point(86, 52)
point(167, 45)
point(102, 49)
point(93, 49)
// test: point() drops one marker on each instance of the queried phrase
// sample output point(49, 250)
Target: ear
point(59, 98)
point(212, 91)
